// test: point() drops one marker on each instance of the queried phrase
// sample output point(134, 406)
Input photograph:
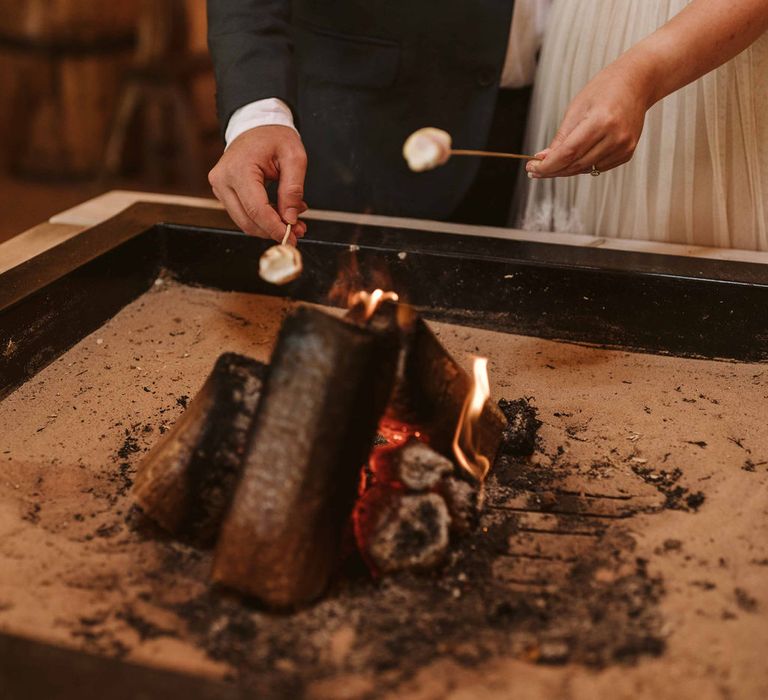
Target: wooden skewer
point(491, 154)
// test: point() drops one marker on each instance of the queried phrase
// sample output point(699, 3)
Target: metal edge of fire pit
point(677, 305)
point(645, 302)
point(653, 303)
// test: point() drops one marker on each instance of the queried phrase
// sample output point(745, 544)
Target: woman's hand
point(602, 125)
point(605, 120)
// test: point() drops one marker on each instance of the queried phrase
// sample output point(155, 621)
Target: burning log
point(432, 389)
point(378, 309)
point(404, 520)
point(186, 482)
point(397, 530)
point(324, 394)
point(435, 388)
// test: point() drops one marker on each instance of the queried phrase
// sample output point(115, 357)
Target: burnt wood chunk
point(415, 465)
point(399, 531)
point(521, 431)
point(324, 394)
point(433, 387)
point(186, 482)
point(465, 502)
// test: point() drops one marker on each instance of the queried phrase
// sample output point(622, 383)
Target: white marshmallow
point(280, 264)
point(427, 149)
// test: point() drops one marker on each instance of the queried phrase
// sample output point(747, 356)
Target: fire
point(371, 301)
point(464, 448)
point(397, 432)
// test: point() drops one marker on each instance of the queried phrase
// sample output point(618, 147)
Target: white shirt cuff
point(269, 112)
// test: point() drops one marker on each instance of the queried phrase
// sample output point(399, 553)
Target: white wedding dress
point(700, 172)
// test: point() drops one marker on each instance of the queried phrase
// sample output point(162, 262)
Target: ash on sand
point(604, 613)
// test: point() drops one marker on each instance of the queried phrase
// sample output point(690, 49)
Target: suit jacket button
point(486, 77)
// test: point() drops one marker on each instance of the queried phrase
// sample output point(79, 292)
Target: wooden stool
point(158, 89)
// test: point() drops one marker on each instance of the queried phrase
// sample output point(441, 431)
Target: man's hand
point(239, 181)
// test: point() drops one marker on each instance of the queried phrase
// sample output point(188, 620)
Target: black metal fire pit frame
point(636, 301)
point(653, 303)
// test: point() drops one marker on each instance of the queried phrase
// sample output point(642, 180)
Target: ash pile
point(363, 437)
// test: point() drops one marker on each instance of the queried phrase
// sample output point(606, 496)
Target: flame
point(349, 279)
point(371, 301)
point(464, 447)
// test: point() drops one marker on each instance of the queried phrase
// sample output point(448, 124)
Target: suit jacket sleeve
point(252, 53)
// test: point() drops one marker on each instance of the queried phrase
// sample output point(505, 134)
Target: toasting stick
point(428, 148)
point(281, 264)
point(489, 154)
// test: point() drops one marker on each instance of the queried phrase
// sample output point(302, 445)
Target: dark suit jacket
point(360, 76)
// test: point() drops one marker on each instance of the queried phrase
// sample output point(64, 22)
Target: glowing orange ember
point(396, 432)
point(464, 447)
point(371, 301)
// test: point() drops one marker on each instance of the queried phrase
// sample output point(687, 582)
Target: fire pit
point(618, 548)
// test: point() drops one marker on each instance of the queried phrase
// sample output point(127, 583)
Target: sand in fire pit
point(680, 447)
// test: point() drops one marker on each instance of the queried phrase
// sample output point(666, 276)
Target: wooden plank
point(19, 249)
point(99, 209)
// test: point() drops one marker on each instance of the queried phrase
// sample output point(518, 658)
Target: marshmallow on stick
point(281, 264)
point(429, 148)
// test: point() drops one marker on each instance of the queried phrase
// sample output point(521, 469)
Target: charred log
point(396, 531)
point(323, 396)
point(433, 387)
point(186, 482)
point(415, 466)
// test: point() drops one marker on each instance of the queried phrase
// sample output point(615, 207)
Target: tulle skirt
point(700, 172)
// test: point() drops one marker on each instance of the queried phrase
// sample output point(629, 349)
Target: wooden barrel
point(67, 22)
point(60, 67)
point(204, 86)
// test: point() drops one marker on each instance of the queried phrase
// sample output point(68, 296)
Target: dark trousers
point(489, 199)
